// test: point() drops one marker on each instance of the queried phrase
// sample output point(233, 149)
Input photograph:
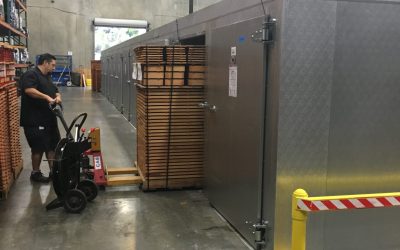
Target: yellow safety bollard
point(299, 222)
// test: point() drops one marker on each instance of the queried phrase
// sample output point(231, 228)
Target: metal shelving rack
point(11, 34)
point(15, 36)
point(11, 38)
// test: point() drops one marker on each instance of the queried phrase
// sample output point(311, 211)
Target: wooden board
point(187, 182)
point(162, 68)
point(121, 171)
point(174, 81)
point(173, 75)
point(123, 180)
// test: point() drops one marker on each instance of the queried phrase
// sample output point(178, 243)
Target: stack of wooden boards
point(10, 148)
point(170, 123)
point(166, 65)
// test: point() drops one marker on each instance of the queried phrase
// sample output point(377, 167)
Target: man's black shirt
point(35, 112)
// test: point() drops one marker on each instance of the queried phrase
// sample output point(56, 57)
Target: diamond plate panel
point(304, 110)
point(365, 123)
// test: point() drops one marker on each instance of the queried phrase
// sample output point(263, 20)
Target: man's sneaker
point(38, 177)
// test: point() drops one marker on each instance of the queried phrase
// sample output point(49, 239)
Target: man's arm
point(34, 93)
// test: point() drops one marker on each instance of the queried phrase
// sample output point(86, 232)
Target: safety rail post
point(302, 204)
point(299, 222)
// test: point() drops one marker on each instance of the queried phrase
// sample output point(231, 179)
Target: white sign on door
point(233, 81)
point(137, 71)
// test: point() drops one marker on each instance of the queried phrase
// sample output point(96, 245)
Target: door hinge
point(267, 33)
point(261, 233)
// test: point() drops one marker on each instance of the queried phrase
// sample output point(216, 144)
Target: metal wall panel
point(117, 85)
point(365, 123)
point(119, 82)
point(234, 130)
point(107, 76)
point(104, 79)
point(338, 118)
point(125, 86)
point(112, 80)
point(114, 86)
point(308, 36)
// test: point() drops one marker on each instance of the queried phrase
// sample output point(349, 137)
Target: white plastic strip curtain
point(107, 22)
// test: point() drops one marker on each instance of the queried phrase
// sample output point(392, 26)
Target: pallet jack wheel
point(74, 201)
point(89, 188)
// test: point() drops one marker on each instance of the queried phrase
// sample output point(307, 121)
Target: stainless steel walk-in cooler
point(316, 108)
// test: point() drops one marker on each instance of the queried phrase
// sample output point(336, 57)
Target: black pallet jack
point(73, 191)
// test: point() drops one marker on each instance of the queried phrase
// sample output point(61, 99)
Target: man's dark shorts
point(42, 139)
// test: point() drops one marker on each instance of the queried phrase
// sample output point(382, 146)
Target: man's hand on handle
point(58, 99)
point(50, 100)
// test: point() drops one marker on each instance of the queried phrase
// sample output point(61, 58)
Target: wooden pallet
point(123, 176)
point(170, 142)
point(154, 183)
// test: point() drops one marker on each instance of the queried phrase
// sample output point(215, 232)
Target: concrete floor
point(119, 218)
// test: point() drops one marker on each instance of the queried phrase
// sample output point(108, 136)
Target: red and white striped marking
point(344, 204)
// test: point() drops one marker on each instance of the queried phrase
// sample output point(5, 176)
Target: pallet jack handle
point(57, 109)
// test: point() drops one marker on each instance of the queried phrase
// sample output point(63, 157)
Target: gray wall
point(65, 25)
